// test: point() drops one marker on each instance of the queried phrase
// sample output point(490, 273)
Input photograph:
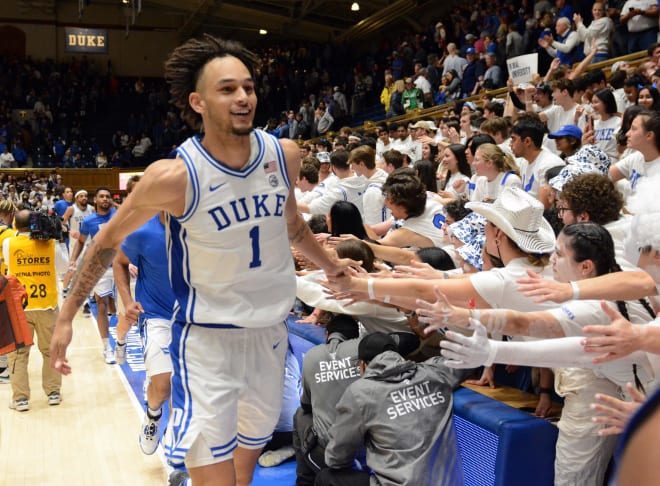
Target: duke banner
point(89, 41)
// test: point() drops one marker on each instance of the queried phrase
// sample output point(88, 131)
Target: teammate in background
point(7, 210)
point(103, 289)
point(229, 202)
point(153, 307)
point(73, 217)
point(63, 204)
point(123, 324)
point(39, 277)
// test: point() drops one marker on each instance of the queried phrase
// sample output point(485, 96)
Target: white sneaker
point(120, 353)
point(150, 433)
point(109, 356)
point(54, 398)
point(276, 457)
point(20, 405)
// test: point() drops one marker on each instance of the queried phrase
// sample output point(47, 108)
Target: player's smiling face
point(226, 96)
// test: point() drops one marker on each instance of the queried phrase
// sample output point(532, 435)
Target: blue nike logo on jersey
point(276, 345)
point(215, 188)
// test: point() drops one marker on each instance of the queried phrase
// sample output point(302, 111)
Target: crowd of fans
point(516, 195)
point(80, 114)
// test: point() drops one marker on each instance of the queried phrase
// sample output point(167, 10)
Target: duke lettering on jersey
point(604, 134)
point(234, 223)
point(242, 209)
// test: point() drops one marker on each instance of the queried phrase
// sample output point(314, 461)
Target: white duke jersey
point(229, 256)
point(77, 216)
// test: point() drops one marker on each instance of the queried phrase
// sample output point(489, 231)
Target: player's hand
point(340, 282)
point(133, 311)
point(342, 266)
point(59, 343)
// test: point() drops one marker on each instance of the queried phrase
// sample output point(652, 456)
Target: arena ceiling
point(314, 20)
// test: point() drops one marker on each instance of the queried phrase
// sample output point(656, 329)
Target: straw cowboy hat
point(520, 216)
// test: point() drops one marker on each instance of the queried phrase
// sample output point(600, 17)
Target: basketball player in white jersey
point(73, 216)
point(229, 203)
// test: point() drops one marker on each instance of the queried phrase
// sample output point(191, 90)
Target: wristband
point(370, 289)
point(548, 391)
point(576, 290)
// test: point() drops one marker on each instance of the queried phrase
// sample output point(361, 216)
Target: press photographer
point(35, 258)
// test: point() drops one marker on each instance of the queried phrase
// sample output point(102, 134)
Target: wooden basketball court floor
point(91, 437)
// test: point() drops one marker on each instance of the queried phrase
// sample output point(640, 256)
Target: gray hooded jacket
point(328, 369)
point(402, 412)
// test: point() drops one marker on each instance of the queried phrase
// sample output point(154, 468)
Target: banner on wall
point(89, 41)
point(521, 68)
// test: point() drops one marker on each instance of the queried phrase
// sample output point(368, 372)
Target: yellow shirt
point(33, 263)
point(5, 232)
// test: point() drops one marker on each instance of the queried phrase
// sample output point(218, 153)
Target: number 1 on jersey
point(254, 237)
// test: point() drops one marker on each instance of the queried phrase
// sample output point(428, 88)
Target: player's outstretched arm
point(163, 187)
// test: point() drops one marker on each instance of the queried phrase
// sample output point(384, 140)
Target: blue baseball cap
point(470, 50)
point(567, 131)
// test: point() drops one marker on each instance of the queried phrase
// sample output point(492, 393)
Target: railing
point(437, 111)
point(88, 179)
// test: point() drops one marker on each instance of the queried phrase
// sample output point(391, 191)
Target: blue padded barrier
point(310, 332)
point(501, 445)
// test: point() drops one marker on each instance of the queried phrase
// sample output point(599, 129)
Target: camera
point(45, 226)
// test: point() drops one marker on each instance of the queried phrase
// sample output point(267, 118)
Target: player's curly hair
point(594, 194)
point(185, 64)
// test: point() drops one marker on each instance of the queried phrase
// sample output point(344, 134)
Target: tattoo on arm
point(94, 265)
point(300, 231)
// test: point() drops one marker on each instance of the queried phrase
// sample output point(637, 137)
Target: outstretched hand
point(341, 266)
point(440, 314)
point(487, 378)
point(468, 352)
point(418, 270)
point(616, 340)
point(615, 413)
point(545, 290)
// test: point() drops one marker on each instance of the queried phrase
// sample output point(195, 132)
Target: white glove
point(469, 352)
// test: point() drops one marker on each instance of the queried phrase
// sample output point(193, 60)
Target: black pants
point(308, 465)
point(310, 456)
point(342, 477)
